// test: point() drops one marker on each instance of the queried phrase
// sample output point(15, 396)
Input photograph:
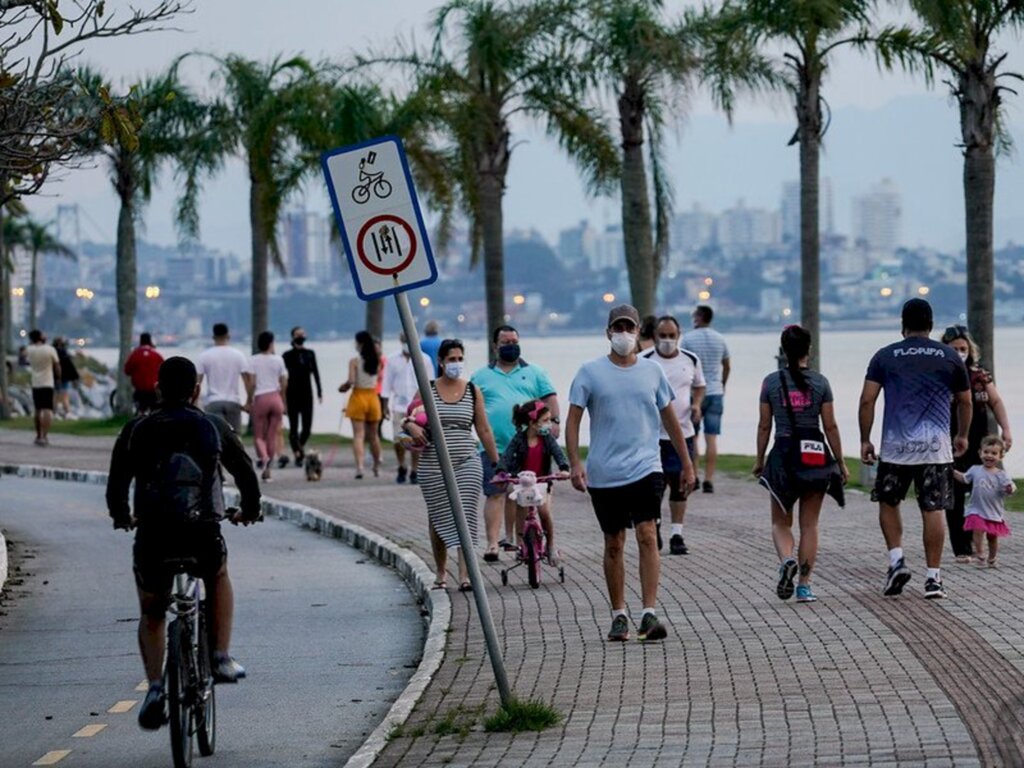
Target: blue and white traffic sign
point(379, 217)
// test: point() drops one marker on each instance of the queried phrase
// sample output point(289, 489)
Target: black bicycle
point(188, 676)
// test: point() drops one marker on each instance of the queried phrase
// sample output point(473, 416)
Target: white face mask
point(623, 343)
point(964, 356)
point(667, 347)
point(454, 370)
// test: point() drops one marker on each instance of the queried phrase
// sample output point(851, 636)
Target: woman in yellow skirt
point(363, 404)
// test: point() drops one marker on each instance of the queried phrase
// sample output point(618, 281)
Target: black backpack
point(178, 493)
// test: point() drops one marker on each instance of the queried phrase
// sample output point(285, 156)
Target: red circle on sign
point(373, 222)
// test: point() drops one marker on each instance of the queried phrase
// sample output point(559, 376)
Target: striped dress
point(457, 420)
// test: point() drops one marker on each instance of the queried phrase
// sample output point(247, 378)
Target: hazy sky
point(710, 162)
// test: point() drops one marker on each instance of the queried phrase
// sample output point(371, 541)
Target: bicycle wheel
point(206, 706)
point(179, 707)
point(532, 557)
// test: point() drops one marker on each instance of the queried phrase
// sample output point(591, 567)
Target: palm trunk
point(260, 263)
point(977, 123)
point(375, 318)
point(5, 301)
point(126, 278)
point(33, 290)
point(636, 207)
point(492, 190)
point(809, 118)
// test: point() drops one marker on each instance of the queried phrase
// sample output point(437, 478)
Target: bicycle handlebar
point(514, 479)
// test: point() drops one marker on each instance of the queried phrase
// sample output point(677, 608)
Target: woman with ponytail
point(363, 404)
point(799, 467)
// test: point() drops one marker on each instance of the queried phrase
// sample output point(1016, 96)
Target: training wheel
point(561, 575)
point(504, 578)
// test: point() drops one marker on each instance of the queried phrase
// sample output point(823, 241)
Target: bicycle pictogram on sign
point(370, 180)
point(386, 244)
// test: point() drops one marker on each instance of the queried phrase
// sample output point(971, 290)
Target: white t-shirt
point(400, 386)
point(684, 372)
point(41, 358)
point(268, 370)
point(221, 368)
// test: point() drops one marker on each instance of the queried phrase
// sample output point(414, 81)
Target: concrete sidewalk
point(743, 679)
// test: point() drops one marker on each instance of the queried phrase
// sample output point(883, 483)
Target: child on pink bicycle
point(532, 449)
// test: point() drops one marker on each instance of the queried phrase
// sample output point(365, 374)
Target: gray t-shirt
point(709, 345)
point(806, 405)
point(987, 492)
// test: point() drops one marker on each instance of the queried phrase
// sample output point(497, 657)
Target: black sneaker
point(657, 526)
point(620, 629)
point(676, 545)
point(413, 479)
point(708, 487)
point(651, 629)
point(282, 461)
point(933, 590)
point(896, 579)
point(787, 572)
point(153, 714)
point(402, 473)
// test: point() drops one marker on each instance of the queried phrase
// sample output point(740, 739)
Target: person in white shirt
point(396, 394)
point(45, 366)
point(686, 377)
point(270, 388)
point(223, 368)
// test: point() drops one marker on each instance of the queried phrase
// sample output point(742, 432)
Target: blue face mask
point(545, 430)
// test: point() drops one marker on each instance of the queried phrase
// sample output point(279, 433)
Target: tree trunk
point(260, 262)
point(5, 301)
point(126, 279)
point(809, 118)
point(375, 318)
point(33, 290)
point(978, 103)
point(636, 207)
point(492, 190)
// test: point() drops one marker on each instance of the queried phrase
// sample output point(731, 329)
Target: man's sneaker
point(227, 670)
point(708, 487)
point(676, 545)
point(620, 629)
point(933, 589)
point(282, 461)
point(804, 594)
point(896, 579)
point(651, 629)
point(402, 472)
point(657, 527)
point(153, 714)
point(787, 572)
point(413, 479)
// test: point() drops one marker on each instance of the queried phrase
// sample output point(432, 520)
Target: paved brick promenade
point(743, 679)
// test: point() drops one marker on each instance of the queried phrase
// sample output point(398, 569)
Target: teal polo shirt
point(502, 391)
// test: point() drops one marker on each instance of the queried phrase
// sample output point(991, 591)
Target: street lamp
point(19, 291)
point(924, 290)
point(787, 312)
point(424, 302)
point(518, 299)
point(704, 295)
point(608, 298)
point(885, 292)
point(152, 291)
point(84, 293)
point(708, 281)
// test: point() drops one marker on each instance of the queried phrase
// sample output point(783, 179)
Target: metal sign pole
point(437, 433)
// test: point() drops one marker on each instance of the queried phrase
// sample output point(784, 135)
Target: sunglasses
point(955, 332)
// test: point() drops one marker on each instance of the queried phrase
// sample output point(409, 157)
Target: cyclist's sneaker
point(787, 572)
point(676, 545)
point(896, 579)
point(620, 629)
point(651, 629)
point(933, 589)
point(804, 594)
point(152, 714)
point(227, 670)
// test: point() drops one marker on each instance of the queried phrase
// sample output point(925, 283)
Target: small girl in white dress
point(985, 514)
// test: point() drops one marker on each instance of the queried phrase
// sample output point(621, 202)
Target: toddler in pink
point(985, 513)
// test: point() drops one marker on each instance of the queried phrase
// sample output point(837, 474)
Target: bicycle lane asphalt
point(305, 606)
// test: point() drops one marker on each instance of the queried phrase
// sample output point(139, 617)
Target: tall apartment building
point(789, 210)
point(877, 217)
point(741, 227)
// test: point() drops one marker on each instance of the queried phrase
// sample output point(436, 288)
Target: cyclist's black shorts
point(151, 552)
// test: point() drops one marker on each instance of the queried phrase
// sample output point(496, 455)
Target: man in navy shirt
point(920, 378)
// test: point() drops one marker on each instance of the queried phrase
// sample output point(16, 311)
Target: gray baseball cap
point(624, 312)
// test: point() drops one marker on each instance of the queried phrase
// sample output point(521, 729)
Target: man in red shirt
point(143, 365)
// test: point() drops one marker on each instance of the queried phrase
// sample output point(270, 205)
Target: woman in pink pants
point(270, 384)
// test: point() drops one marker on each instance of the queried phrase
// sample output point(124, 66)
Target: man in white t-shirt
point(397, 392)
point(686, 377)
point(223, 368)
point(45, 365)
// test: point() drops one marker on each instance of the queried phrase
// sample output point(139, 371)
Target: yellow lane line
point(89, 730)
point(142, 687)
point(122, 706)
point(52, 758)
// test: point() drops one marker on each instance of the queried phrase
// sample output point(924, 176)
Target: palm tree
point(958, 36)
point(490, 61)
point(39, 240)
point(631, 49)
point(267, 113)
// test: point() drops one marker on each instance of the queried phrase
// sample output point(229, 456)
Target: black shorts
point(42, 398)
point(149, 556)
point(144, 399)
point(672, 465)
point(933, 484)
point(624, 506)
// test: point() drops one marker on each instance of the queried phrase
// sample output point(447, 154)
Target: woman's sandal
point(465, 587)
point(440, 585)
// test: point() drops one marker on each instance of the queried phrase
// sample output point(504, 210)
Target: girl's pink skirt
point(990, 527)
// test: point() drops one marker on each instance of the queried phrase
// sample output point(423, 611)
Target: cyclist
point(174, 455)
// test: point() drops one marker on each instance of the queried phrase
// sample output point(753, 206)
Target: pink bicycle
point(529, 493)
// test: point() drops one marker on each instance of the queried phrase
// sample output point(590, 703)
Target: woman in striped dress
point(461, 410)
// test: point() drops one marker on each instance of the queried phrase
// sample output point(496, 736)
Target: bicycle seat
point(182, 564)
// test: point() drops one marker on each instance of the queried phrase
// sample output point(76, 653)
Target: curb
point(416, 573)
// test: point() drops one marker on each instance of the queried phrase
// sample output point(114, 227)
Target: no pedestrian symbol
point(379, 217)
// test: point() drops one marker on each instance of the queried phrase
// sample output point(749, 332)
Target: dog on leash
point(314, 466)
